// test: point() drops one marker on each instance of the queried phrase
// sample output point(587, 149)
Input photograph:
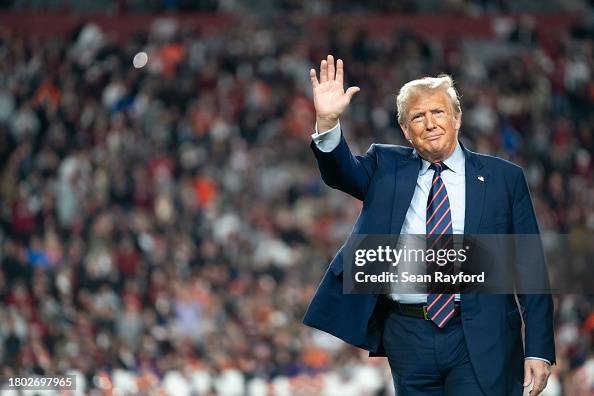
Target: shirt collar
point(454, 162)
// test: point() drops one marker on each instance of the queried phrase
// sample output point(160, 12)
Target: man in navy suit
point(436, 344)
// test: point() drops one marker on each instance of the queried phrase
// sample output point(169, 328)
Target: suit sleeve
point(539, 334)
point(342, 170)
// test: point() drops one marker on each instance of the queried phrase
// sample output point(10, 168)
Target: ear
point(405, 131)
point(457, 121)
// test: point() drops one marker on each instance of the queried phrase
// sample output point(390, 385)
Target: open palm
point(330, 99)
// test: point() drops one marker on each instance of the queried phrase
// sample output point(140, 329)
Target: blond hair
point(441, 82)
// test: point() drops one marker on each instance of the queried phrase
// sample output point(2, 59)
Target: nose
point(429, 122)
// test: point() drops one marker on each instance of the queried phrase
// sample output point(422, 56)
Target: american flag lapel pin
point(481, 178)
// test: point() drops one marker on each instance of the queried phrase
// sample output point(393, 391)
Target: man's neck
point(439, 157)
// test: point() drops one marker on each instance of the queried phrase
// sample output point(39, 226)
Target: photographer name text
point(405, 277)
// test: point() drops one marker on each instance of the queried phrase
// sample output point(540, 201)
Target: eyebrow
point(438, 108)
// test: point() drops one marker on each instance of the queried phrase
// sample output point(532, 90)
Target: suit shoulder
point(501, 164)
point(393, 149)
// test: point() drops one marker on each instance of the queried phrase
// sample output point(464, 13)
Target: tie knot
point(438, 167)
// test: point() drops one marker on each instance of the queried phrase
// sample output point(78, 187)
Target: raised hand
point(330, 99)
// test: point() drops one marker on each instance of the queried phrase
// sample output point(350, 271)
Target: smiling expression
point(431, 125)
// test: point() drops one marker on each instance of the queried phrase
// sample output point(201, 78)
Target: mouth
point(433, 136)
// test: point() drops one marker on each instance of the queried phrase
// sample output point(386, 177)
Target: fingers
point(327, 71)
point(339, 72)
point(527, 376)
point(537, 374)
point(313, 78)
point(351, 91)
point(540, 382)
point(323, 71)
point(331, 71)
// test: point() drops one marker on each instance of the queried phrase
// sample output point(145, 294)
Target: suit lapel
point(476, 179)
point(407, 172)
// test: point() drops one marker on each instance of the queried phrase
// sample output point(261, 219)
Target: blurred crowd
point(163, 228)
point(315, 7)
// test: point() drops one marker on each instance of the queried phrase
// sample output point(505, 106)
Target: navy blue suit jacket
point(384, 179)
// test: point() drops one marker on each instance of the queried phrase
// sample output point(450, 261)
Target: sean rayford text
point(386, 254)
point(405, 277)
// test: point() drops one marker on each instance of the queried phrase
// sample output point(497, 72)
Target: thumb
point(351, 91)
point(527, 376)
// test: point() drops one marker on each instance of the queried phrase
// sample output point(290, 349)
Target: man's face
point(431, 125)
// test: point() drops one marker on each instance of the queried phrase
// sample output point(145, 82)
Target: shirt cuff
point(537, 358)
point(327, 141)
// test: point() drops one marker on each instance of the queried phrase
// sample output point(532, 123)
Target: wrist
point(326, 123)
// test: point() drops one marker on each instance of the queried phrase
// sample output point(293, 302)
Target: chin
point(437, 149)
point(436, 146)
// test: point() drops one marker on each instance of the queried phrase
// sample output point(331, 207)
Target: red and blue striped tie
point(440, 306)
